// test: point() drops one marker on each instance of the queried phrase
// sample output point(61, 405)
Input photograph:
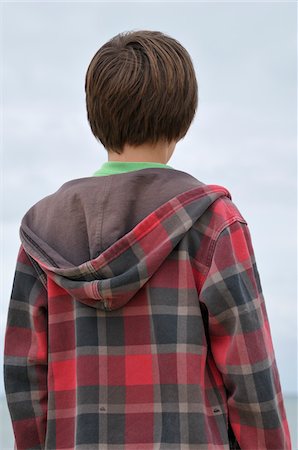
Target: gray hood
point(102, 238)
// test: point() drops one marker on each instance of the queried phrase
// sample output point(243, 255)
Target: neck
point(160, 153)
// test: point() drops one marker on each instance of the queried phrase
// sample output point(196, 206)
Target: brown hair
point(140, 88)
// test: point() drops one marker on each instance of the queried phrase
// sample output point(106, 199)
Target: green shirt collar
point(114, 167)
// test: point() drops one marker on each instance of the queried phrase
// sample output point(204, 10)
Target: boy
point(137, 319)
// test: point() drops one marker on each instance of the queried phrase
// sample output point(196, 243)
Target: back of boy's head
point(140, 88)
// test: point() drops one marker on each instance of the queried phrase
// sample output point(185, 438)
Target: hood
point(102, 238)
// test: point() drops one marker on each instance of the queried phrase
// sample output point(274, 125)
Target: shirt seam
point(217, 233)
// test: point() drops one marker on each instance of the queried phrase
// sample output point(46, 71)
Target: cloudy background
point(243, 136)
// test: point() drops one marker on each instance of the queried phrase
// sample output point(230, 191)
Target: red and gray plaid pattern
point(161, 342)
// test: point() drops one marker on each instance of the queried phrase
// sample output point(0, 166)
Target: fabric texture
point(137, 321)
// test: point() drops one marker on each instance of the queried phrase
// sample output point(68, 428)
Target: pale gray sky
point(243, 136)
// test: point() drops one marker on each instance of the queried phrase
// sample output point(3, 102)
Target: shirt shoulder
point(206, 230)
point(220, 214)
point(224, 212)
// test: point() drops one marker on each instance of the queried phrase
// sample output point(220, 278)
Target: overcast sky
point(243, 136)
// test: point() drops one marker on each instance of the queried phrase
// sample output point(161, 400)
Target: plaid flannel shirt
point(160, 342)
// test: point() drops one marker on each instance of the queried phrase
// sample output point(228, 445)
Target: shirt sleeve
point(25, 355)
point(241, 343)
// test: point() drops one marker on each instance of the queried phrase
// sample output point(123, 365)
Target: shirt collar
point(114, 167)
